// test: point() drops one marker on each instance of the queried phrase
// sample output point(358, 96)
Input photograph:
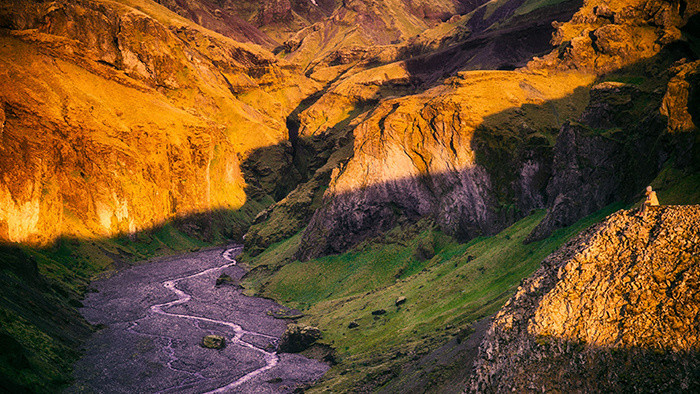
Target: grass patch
point(533, 5)
point(447, 289)
point(677, 187)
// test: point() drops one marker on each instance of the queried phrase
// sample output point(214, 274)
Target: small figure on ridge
point(651, 200)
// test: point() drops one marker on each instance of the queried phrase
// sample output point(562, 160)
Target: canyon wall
point(438, 154)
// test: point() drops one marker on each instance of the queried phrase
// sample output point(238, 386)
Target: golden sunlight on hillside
point(114, 122)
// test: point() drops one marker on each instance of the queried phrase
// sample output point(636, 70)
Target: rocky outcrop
point(618, 146)
point(629, 130)
point(116, 119)
point(599, 159)
point(298, 338)
point(604, 36)
point(615, 309)
point(450, 153)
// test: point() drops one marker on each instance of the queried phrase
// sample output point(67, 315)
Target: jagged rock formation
point(612, 151)
point(363, 78)
point(629, 130)
point(615, 309)
point(604, 36)
point(116, 118)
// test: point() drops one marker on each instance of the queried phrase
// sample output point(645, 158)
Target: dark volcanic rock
point(297, 338)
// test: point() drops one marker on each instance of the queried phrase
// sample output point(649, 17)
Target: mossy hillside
point(448, 286)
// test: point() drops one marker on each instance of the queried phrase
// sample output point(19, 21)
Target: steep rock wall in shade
point(450, 153)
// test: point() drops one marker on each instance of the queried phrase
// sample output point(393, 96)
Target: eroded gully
point(150, 342)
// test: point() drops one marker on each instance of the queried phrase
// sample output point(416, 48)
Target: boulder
point(378, 312)
point(298, 338)
point(213, 342)
point(400, 300)
point(353, 324)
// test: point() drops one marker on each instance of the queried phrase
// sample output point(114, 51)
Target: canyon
point(362, 151)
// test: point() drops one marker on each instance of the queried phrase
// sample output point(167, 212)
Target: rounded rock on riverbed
point(213, 342)
point(297, 338)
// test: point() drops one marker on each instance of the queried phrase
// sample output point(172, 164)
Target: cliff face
point(629, 129)
point(116, 118)
point(616, 309)
point(614, 150)
point(436, 155)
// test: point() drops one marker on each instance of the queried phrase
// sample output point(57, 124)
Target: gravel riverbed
point(155, 316)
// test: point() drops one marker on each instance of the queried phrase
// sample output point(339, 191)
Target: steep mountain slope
point(116, 117)
point(501, 140)
point(472, 155)
point(358, 24)
point(267, 23)
point(364, 78)
point(418, 156)
point(616, 309)
point(620, 142)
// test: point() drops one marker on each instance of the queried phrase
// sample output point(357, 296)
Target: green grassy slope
point(448, 286)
